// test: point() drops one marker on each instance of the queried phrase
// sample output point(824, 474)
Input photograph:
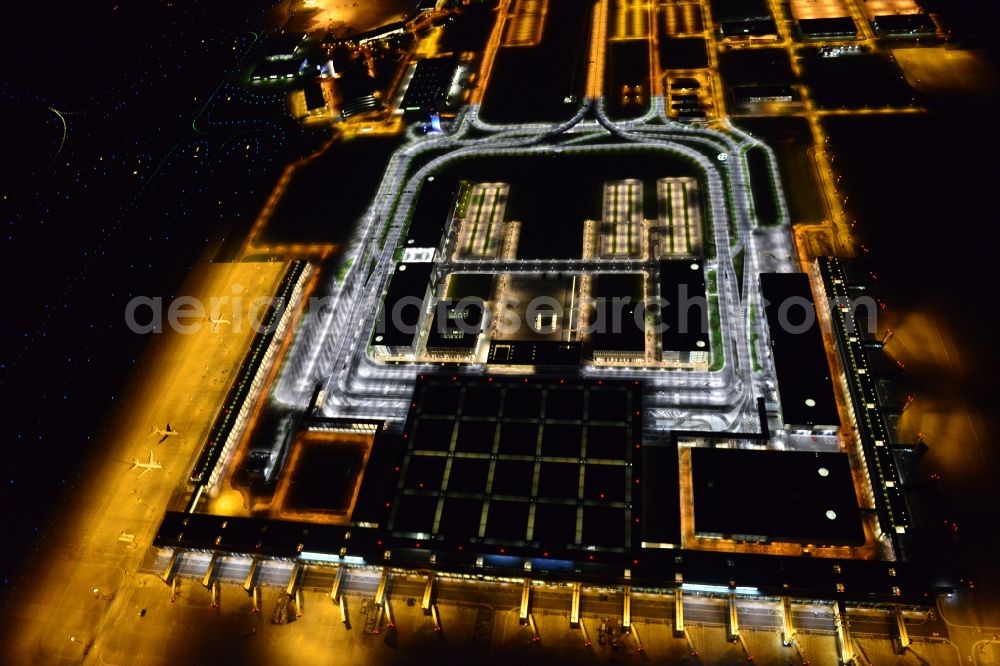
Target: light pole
point(86, 646)
point(139, 499)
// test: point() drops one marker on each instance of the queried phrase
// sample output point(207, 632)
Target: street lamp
point(86, 646)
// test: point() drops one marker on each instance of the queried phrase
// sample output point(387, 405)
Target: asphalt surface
point(763, 614)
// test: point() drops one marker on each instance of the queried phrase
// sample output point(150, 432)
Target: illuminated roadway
point(762, 614)
point(332, 348)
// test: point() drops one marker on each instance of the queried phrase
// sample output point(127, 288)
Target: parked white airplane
point(168, 432)
point(146, 466)
point(218, 321)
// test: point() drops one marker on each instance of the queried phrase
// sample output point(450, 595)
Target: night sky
point(162, 155)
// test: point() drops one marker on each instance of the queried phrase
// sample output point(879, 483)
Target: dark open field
point(327, 196)
point(531, 84)
point(626, 79)
point(790, 140)
point(856, 82)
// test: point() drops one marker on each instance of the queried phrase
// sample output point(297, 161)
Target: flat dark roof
point(739, 10)
point(379, 480)
point(355, 81)
point(804, 384)
point(397, 321)
point(661, 497)
point(615, 325)
point(609, 337)
point(610, 285)
point(563, 449)
point(455, 328)
point(799, 496)
point(534, 352)
point(744, 94)
point(314, 96)
point(430, 216)
point(841, 26)
point(686, 105)
point(684, 307)
point(761, 27)
point(357, 90)
point(470, 285)
point(904, 24)
point(429, 85)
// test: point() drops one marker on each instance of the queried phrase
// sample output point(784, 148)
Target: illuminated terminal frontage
point(554, 478)
point(461, 405)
